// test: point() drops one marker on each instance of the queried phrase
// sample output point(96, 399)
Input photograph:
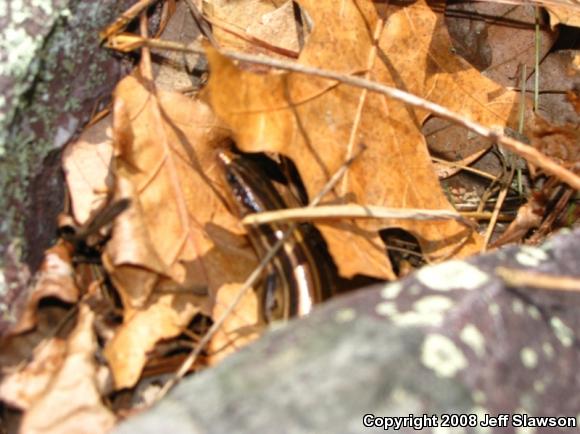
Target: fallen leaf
point(86, 165)
point(72, 402)
point(239, 329)
point(165, 163)
point(178, 244)
point(24, 387)
point(164, 318)
point(55, 279)
point(310, 119)
point(567, 14)
point(254, 25)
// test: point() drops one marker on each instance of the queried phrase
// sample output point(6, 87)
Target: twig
point(496, 210)
point(325, 212)
point(361, 102)
point(125, 18)
point(527, 152)
point(518, 278)
point(462, 164)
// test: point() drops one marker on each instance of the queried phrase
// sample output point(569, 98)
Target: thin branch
point(519, 278)
point(326, 212)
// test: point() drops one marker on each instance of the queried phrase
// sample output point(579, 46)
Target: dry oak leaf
point(239, 329)
point(310, 119)
point(177, 244)
point(86, 165)
point(55, 279)
point(568, 13)
point(20, 389)
point(164, 317)
point(254, 25)
point(178, 233)
point(71, 403)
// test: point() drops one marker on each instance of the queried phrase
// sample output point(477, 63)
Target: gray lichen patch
point(472, 337)
point(441, 355)
point(452, 275)
point(531, 256)
point(548, 349)
point(391, 290)
point(52, 70)
point(529, 358)
point(564, 333)
point(428, 311)
point(345, 315)
point(386, 308)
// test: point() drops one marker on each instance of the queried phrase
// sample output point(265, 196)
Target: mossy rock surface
point(52, 74)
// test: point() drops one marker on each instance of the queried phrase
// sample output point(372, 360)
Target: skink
point(298, 276)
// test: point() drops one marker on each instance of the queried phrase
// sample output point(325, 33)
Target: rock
point(52, 74)
point(451, 338)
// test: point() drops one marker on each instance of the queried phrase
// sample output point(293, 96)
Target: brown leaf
point(164, 318)
point(563, 14)
point(240, 327)
point(310, 119)
point(178, 233)
point(86, 166)
point(24, 387)
point(71, 402)
point(177, 245)
point(54, 279)
point(254, 25)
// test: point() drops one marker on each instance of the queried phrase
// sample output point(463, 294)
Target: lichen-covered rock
point(451, 338)
point(52, 73)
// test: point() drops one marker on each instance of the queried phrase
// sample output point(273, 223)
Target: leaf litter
point(162, 271)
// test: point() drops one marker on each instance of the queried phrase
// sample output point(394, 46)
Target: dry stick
point(527, 152)
point(126, 17)
point(466, 168)
point(496, 210)
point(361, 102)
point(519, 278)
point(249, 283)
point(325, 212)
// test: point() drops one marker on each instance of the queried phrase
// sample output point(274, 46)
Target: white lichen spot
point(534, 312)
point(386, 308)
point(20, 48)
point(345, 315)
point(525, 429)
point(44, 5)
point(452, 275)
point(440, 354)
point(518, 306)
point(564, 333)
point(548, 349)
point(3, 287)
point(433, 303)
point(478, 397)
point(531, 256)
point(391, 291)
point(427, 311)
point(494, 309)
point(529, 357)
point(539, 386)
point(414, 290)
point(3, 9)
point(472, 337)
